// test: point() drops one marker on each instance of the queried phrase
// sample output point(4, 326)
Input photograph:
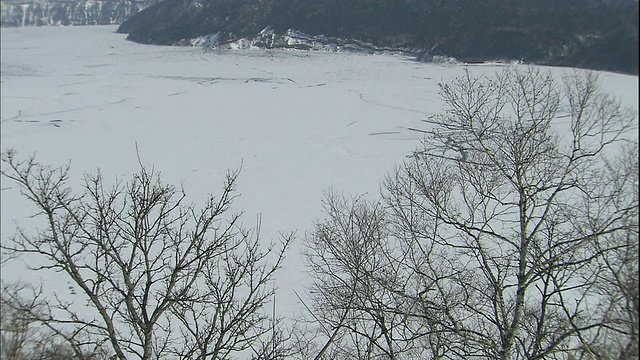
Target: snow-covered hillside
point(16, 13)
point(296, 122)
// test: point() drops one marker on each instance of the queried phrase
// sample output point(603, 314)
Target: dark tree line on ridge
point(594, 34)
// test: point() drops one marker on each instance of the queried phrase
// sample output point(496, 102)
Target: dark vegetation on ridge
point(594, 34)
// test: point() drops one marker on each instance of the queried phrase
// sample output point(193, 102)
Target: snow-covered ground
point(297, 122)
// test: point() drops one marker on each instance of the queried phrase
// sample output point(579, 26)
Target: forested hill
point(595, 34)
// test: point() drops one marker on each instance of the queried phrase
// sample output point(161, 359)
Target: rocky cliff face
point(17, 13)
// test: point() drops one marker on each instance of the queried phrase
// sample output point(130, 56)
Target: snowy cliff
point(17, 13)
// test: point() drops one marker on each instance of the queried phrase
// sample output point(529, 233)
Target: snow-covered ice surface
point(297, 122)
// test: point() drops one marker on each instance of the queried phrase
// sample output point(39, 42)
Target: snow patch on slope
point(297, 40)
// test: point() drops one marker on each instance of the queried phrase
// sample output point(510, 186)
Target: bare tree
point(511, 233)
point(17, 329)
point(25, 336)
point(20, 336)
point(509, 212)
point(160, 276)
point(225, 313)
point(352, 270)
point(619, 288)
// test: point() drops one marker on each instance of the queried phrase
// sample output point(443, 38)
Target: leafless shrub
point(161, 277)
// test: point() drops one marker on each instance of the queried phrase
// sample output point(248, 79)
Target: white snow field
point(297, 122)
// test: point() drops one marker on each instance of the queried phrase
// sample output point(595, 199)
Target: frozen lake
point(297, 122)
